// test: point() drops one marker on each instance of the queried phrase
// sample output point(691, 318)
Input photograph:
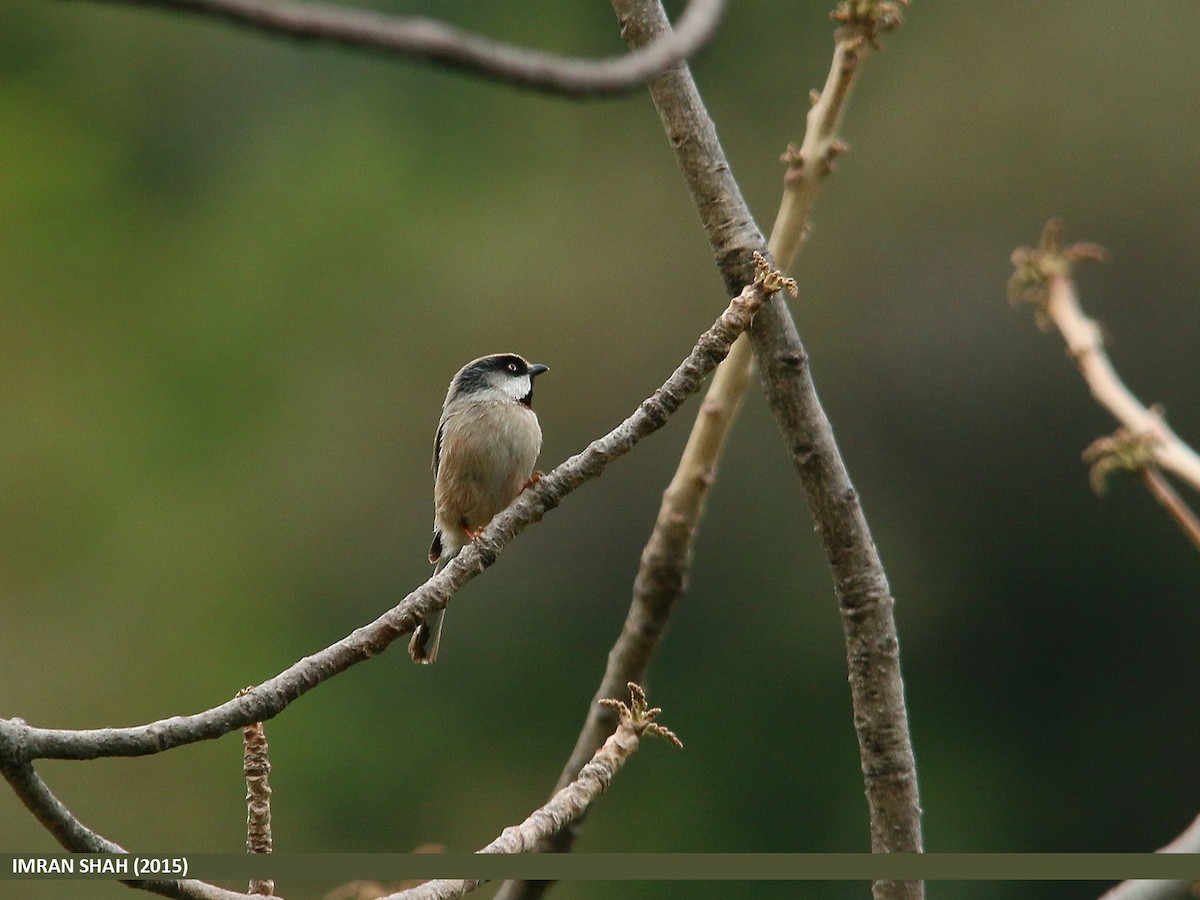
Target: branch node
point(772, 280)
point(835, 149)
point(867, 21)
point(639, 716)
point(1123, 450)
point(1035, 267)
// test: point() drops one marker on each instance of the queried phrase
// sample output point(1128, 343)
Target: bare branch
point(860, 583)
point(666, 559)
point(438, 42)
point(1042, 277)
point(78, 838)
point(1144, 442)
point(569, 804)
point(859, 29)
point(1146, 889)
point(20, 743)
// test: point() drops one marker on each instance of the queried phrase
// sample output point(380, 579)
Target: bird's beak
point(536, 369)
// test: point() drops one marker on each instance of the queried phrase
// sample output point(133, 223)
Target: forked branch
point(1143, 443)
point(860, 584)
point(666, 559)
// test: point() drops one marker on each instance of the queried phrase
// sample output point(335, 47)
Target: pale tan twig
point(435, 41)
point(1043, 277)
point(635, 721)
point(1143, 443)
point(665, 561)
point(1147, 889)
point(256, 765)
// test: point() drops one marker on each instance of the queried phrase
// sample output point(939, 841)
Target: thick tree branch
point(666, 559)
point(571, 802)
point(78, 838)
point(20, 743)
point(1145, 889)
point(438, 42)
point(880, 714)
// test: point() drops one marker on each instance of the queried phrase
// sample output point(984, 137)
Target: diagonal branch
point(438, 42)
point(872, 646)
point(860, 583)
point(20, 743)
point(1043, 277)
point(1168, 498)
point(78, 838)
point(666, 559)
point(569, 803)
point(1144, 442)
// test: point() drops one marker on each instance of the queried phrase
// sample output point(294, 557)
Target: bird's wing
point(437, 445)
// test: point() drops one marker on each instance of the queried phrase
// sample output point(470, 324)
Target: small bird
point(487, 442)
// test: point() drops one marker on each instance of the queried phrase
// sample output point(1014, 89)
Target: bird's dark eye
point(512, 367)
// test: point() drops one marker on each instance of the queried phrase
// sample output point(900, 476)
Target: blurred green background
point(236, 274)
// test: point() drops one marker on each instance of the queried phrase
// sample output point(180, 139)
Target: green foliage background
point(237, 272)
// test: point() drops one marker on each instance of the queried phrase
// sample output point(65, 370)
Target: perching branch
point(1146, 889)
point(1144, 442)
point(78, 838)
point(570, 803)
point(666, 559)
point(880, 714)
point(20, 743)
point(438, 42)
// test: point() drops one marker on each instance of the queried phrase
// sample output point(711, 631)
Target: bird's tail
point(427, 637)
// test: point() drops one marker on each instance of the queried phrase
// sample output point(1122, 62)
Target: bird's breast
point(487, 455)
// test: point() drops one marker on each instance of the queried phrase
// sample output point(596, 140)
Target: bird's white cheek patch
point(516, 388)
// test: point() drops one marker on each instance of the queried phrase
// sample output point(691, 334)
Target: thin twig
point(1170, 500)
point(1146, 889)
point(569, 804)
point(20, 742)
point(1042, 276)
point(435, 41)
point(872, 649)
point(1143, 443)
point(73, 835)
point(256, 766)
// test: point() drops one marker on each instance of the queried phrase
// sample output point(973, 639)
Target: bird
point(488, 440)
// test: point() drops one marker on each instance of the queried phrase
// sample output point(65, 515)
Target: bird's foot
point(533, 479)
